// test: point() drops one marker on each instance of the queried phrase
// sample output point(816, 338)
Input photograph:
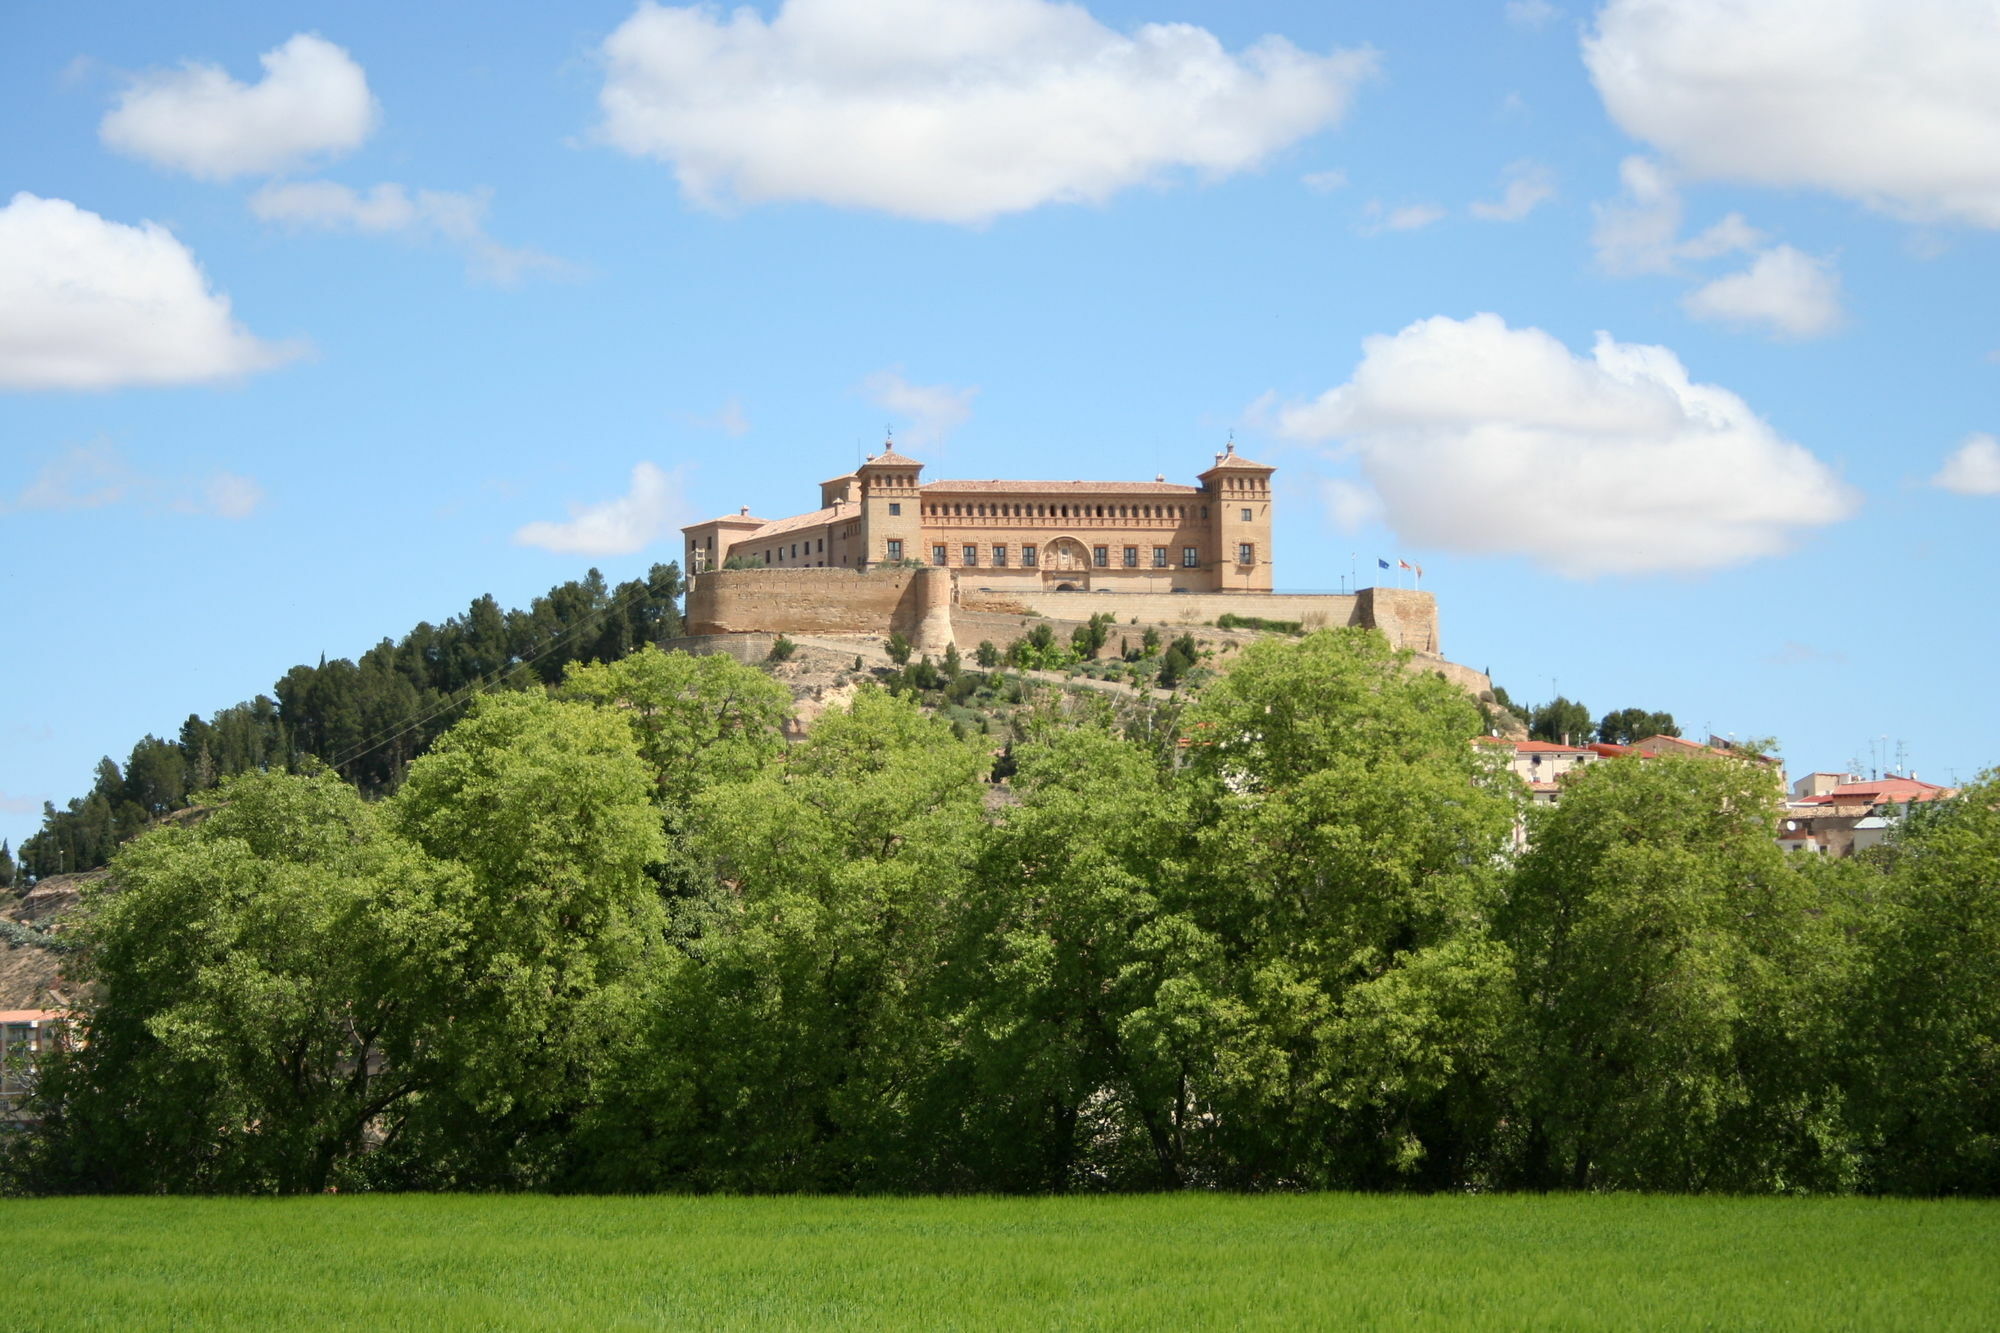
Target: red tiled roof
point(890, 458)
point(817, 518)
point(727, 518)
point(1063, 487)
point(1548, 747)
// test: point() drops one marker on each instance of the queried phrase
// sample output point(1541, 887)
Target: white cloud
point(931, 412)
point(1639, 232)
point(1891, 102)
point(458, 218)
point(95, 476)
point(1793, 295)
point(19, 805)
point(947, 111)
point(313, 101)
point(1324, 182)
point(91, 304)
point(1973, 468)
point(650, 510)
point(1530, 13)
point(1528, 185)
point(1352, 507)
point(1477, 437)
point(1378, 218)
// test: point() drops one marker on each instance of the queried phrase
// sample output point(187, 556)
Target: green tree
point(987, 655)
point(1926, 1070)
point(1628, 725)
point(542, 809)
point(785, 1055)
point(1354, 840)
point(253, 985)
point(1669, 957)
point(1562, 721)
point(898, 648)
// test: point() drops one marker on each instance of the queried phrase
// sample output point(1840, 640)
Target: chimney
point(744, 512)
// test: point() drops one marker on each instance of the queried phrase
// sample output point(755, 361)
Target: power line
point(465, 693)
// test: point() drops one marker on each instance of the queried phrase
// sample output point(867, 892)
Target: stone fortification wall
point(1408, 619)
point(915, 602)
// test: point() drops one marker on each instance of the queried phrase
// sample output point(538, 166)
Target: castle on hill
point(952, 563)
point(1019, 536)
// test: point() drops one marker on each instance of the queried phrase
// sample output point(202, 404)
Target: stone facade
point(1019, 536)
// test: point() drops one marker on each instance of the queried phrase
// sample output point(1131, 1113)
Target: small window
point(1246, 553)
point(895, 510)
point(1131, 557)
point(1000, 555)
point(1028, 556)
point(895, 549)
point(1159, 557)
point(937, 555)
point(971, 554)
point(1100, 556)
point(1190, 557)
point(1246, 516)
point(822, 546)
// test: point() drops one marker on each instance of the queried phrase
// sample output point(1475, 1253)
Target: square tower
point(1237, 495)
point(887, 486)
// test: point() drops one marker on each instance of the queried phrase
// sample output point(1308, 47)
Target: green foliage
point(1230, 620)
point(1280, 934)
point(782, 649)
point(1680, 978)
point(987, 655)
point(1038, 650)
point(953, 664)
point(1628, 725)
point(257, 979)
point(1560, 721)
point(1926, 1072)
point(898, 649)
point(367, 718)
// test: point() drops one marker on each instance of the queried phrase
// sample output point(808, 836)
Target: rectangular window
point(795, 550)
point(1246, 553)
point(937, 555)
point(971, 554)
point(1131, 557)
point(1028, 556)
point(895, 510)
point(1159, 557)
point(1000, 555)
point(1190, 557)
point(822, 546)
point(895, 549)
point(1100, 556)
point(1246, 516)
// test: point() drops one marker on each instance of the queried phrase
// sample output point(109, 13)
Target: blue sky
point(1662, 335)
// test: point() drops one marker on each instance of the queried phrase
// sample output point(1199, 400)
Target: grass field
point(1167, 1261)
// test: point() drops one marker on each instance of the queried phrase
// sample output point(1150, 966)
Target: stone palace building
point(1019, 536)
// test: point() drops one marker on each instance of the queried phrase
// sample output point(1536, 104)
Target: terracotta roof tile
point(817, 518)
point(1061, 487)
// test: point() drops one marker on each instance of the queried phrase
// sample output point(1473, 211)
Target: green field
point(1164, 1261)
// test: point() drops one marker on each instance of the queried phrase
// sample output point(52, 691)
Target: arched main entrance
point(1066, 565)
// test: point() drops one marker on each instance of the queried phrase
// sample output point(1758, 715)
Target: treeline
point(366, 719)
point(1565, 721)
point(616, 936)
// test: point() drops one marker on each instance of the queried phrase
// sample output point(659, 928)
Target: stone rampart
point(1408, 619)
point(915, 602)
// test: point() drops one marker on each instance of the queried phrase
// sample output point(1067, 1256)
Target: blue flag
point(1383, 563)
